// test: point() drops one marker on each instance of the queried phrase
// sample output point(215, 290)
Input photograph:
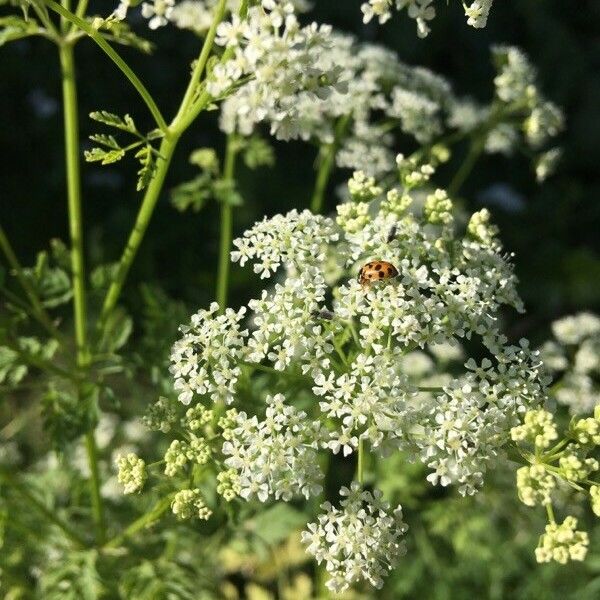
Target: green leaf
point(226, 192)
point(11, 371)
point(275, 524)
point(147, 167)
point(105, 140)
point(155, 134)
point(60, 254)
point(120, 32)
point(15, 28)
point(50, 277)
point(193, 194)
point(73, 576)
point(258, 153)
point(123, 123)
point(103, 275)
point(105, 157)
point(206, 159)
point(116, 332)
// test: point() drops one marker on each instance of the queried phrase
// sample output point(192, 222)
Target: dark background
point(554, 235)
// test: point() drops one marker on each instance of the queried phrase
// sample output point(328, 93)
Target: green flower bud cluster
point(161, 416)
point(411, 173)
point(481, 228)
point(534, 485)
point(595, 499)
point(189, 503)
point(228, 484)
point(438, 208)
point(576, 468)
point(228, 422)
point(587, 431)
point(363, 188)
point(396, 202)
point(132, 473)
point(562, 543)
point(352, 216)
point(197, 417)
point(180, 453)
point(538, 428)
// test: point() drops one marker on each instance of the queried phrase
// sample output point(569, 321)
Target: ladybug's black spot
point(378, 267)
point(381, 274)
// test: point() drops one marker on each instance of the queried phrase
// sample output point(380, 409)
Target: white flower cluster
point(205, 360)
point(375, 83)
point(423, 11)
point(518, 93)
point(449, 287)
point(277, 456)
point(574, 358)
point(363, 349)
point(468, 424)
point(359, 541)
point(272, 59)
point(296, 240)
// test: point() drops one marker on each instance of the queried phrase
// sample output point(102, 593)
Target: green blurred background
point(553, 228)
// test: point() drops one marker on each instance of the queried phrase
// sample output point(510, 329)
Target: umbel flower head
point(346, 346)
point(450, 286)
point(361, 540)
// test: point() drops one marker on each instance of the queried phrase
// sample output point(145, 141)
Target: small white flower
point(159, 12)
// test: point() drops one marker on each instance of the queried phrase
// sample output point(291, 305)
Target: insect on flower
point(376, 270)
point(392, 233)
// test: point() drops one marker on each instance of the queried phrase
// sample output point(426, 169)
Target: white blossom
point(276, 456)
point(361, 540)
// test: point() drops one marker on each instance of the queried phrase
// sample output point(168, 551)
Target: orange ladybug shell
point(376, 270)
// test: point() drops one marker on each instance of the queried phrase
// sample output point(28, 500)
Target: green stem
point(71, 133)
point(166, 150)
point(146, 519)
point(550, 512)
point(43, 509)
point(116, 58)
point(326, 162)
point(97, 505)
point(475, 150)
point(226, 225)
point(180, 123)
point(200, 65)
point(36, 303)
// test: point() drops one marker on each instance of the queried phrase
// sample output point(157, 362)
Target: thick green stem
point(115, 57)
point(184, 118)
point(200, 65)
point(326, 162)
point(144, 521)
point(226, 225)
point(71, 134)
point(166, 150)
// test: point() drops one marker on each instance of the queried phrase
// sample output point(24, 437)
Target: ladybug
point(376, 270)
